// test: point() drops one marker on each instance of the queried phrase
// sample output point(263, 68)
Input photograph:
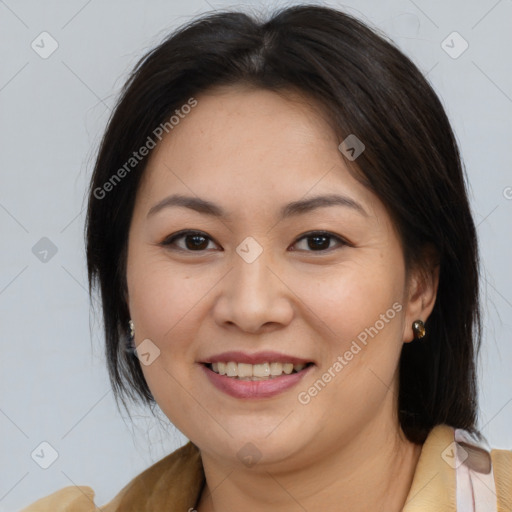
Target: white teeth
point(245, 370)
point(231, 369)
point(276, 368)
point(262, 371)
point(288, 368)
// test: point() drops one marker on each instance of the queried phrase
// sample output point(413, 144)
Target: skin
point(252, 151)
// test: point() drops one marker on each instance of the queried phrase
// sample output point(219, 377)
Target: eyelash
point(170, 240)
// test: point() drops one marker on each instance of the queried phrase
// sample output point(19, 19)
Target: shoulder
point(455, 466)
point(502, 459)
point(173, 480)
point(75, 498)
point(502, 469)
point(172, 483)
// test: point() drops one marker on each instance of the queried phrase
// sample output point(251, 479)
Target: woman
point(279, 226)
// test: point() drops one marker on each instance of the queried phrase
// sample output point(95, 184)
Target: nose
point(254, 297)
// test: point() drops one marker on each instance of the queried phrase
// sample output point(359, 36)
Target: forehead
point(252, 146)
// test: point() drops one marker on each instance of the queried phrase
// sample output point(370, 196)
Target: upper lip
point(255, 358)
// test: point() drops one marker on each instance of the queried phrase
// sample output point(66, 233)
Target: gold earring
point(418, 328)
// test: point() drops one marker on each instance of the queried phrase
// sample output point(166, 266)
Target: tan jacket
point(174, 483)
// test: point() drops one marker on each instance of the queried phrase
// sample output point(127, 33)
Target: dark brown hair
point(365, 86)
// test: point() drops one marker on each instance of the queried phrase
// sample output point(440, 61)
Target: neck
point(373, 471)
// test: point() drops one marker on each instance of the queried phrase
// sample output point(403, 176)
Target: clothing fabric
point(455, 473)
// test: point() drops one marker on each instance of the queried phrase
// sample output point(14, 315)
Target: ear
point(421, 292)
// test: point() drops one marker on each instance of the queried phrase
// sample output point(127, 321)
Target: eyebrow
point(291, 209)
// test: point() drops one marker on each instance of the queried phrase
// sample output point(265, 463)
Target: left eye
point(196, 241)
point(320, 241)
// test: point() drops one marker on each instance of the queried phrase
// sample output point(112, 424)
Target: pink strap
point(476, 490)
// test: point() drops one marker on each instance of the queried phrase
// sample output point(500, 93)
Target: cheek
point(164, 296)
point(364, 314)
point(360, 312)
point(350, 300)
point(166, 302)
point(360, 353)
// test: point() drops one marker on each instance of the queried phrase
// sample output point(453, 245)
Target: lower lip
point(254, 388)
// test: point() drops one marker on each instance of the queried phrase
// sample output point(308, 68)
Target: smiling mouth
point(254, 372)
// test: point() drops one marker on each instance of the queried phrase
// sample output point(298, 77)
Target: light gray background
point(52, 113)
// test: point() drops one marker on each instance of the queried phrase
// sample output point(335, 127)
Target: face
point(322, 284)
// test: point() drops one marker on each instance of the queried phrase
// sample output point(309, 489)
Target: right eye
point(194, 241)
